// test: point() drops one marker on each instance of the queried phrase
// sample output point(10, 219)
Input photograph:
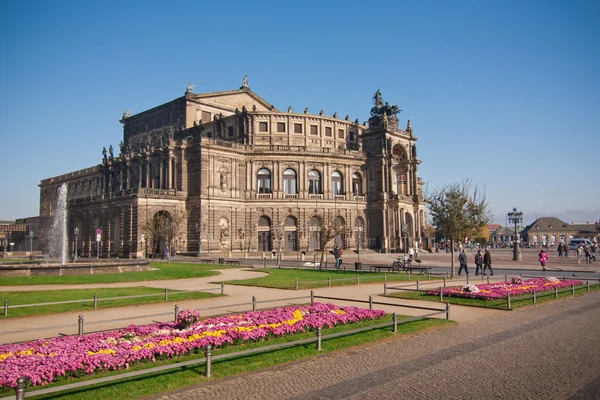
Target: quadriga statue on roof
point(380, 107)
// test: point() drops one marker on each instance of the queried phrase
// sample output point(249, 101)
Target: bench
point(231, 262)
point(378, 268)
point(422, 270)
point(207, 261)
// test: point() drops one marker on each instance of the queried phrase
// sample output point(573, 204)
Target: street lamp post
point(405, 236)
point(8, 236)
point(31, 245)
point(76, 235)
point(199, 233)
point(516, 217)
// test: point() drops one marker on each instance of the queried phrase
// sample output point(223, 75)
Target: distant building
point(551, 231)
point(250, 178)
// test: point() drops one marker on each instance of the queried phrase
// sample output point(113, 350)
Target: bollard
point(505, 278)
point(564, 277)
point(370, 302)
point(556, 292)
point(521, 276)
point(408, 274)
point(264, 262)
point(444, 282)
point(80, 323)
point(329, 281)
point(20, 389)
point(166, 294)
point(176, 312)
point(428, 275)
point(447, 311)
point(6, 306)
point(312, 297)
point(573, 289)
point(318, 338)
point(385, 277)
point(296, 283)
point(417, 285)
point(222, 288)
point(441, 294)
point(587, 284)
point(395, 320)
point(208, 356)
point(508, 301)
point(488, 279)
point(95, 300)
point(385, 288)
point(534, 298)
point(482, 277)
point(467, 279)
point(253, 303)
point(315, 261)
point(357, 279)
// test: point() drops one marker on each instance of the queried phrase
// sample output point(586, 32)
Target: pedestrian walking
point(337, 253)
point(579, 254)
point(594, 249)
point(588, 254)
point(478, 262)
point(566, 250)
point(462, 259)
point(487, 262)
point(560, 250)
point(543, 258)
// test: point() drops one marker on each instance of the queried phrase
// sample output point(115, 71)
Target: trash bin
point(358, 266)
point(221, 260)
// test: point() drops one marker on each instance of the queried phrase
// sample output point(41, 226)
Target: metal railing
point(96, 299)
point(208, 357)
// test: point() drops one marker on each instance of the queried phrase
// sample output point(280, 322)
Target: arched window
point(356, 184)
point(264, 180)
point(336, 183)
point(314, 182)
point(289, 181)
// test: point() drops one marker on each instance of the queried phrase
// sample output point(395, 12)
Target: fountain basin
point(78, 268)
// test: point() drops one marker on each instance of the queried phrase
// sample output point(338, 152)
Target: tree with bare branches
point(329, 229)
point(167, 225)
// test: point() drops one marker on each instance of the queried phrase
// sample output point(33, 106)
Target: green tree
point(458, 212)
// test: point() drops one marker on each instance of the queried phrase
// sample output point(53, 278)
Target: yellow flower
point(5, 356)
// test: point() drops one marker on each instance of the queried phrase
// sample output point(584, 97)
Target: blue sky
point(504, 93)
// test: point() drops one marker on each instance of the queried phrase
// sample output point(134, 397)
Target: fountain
point(57, 238)
point(58, 249)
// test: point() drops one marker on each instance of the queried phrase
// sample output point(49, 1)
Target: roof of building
point(547, 224)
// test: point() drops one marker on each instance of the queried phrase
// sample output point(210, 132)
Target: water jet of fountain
point(57, 238)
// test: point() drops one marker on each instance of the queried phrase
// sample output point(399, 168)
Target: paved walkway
point(548, 351)
point(237, 299)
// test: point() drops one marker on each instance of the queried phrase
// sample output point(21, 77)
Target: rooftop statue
point(381, 107)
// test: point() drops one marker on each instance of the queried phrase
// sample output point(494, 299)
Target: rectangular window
point(351, 136)
point(297, 128)
point(340, 133)
point(263, 126)
point(230, 131)
point(328, 131)
point(206, 116)
point(281, 127)
point(314, 130)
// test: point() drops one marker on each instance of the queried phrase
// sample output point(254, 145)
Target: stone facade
point(249, 177)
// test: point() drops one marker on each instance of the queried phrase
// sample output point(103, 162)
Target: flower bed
point(42, 361)
point(492, 291)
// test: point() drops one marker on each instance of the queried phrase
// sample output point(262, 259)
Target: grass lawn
point(47, 296)
point(310, 279)
point(186, 376)
point(165, 271)
point(515, 302)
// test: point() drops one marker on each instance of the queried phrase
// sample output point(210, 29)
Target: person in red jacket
point(543, 258)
